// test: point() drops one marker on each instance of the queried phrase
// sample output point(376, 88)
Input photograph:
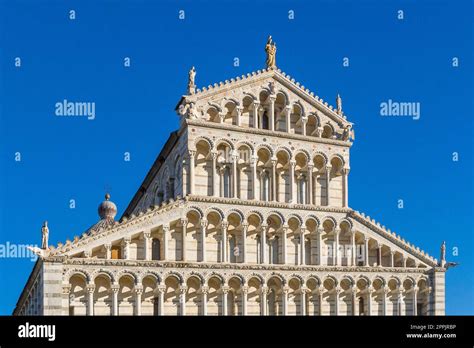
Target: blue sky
point(394, 158)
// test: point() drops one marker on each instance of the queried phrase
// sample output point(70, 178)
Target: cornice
point(263, 204)
point(265, 132)
point(238, 266)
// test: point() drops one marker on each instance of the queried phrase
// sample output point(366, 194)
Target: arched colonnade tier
point(172, 293)
point(241, 170)
point(215, 237)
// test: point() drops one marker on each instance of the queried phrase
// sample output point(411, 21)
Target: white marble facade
point(244, 212)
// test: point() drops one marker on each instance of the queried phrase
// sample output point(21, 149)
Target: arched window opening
point(226, 182)
point(274, 250)
point(156, 249)
point(265, 187)
point(361, 306)
point(302, 190)
point(265, 120)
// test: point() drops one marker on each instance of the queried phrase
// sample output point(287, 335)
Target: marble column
point(90, 288)
point(400, 301)
point(224, 226)
point(271, 120)
point(303, 292)
point(302, 259)
point(320, 292)
point(166, 230)
point(328, 185)
point(191, 171)
point(115, 290)
point(234, 177)
point(263, 300)
point(245, 227)
point(354, 301)
point(204, 292)
point(337, 233)
point(304, 120)
point(253, 165)
point(319, 234)
point(354, 249)
point(284, 232)
point(108, 251)
point(126, 247)
point(345, 173)
point(244, 292)
point(147, 249)
point(366, 251)
point(392, 259)
point(274, 180)
point(370, 290)
point(203, 239)
point(415, 300)
point(238, 110)
point(310, 185)
point(182, 298)
point(161, 299)
point(337, 291)
point(184, 225)
point(379, 255)
point(292, 182)
point(215, 177)
point(263, 243)
point(256, 106)
point(385, 291)
point(225, 291)
point(138, 290)
point(284, 295)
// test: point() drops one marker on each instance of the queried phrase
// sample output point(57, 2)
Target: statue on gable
point(339, 104)
point(191, 81)
point(270, 49)
point(44, 235)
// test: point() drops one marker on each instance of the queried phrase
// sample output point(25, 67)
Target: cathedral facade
point(244, 212)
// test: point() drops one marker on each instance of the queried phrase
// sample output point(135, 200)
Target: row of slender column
point(217, 191)
point(301, 259)
point(264, 291)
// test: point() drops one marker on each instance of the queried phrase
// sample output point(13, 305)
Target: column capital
point(256, 103)
point(345, 171)
point(328, 168)
point(338, 289)
point(204, 223)
point(224, 224)
point(302, 230)
point(191, 153)
point(285, 289)
point(304, 289)
point(108, 246)
point(370, 289)
point(386, 290)
point(244, 289)
point(182, 289)
point(183, 221)
point(114, 288)
point(264, 290)
point(354, 291)
point(67, 288)
point(225, 289)
point(161, 289)
point(204, 289)
point(337, 231)
point(138, 289)
point(127, 239)
point(293, 163)
point(245, 224)
point(166, 228)
point(274, 161)
point(90, 288)
point(147, 235)
point(320, 230)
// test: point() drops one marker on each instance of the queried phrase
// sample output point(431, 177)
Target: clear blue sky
point(82, 60)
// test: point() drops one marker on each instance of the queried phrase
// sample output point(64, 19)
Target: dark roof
point(165, 151)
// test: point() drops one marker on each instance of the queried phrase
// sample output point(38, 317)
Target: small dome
point(107, 209)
